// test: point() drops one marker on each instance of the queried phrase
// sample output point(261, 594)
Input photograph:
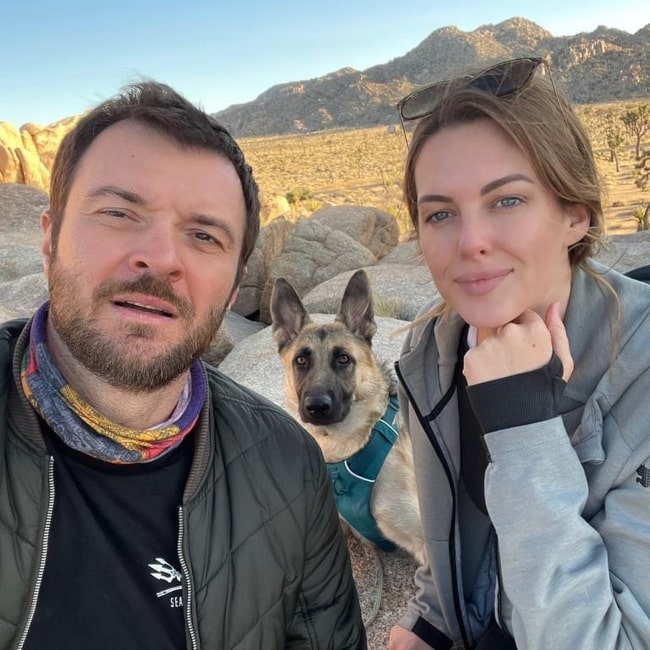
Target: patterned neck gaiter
point(83, 428)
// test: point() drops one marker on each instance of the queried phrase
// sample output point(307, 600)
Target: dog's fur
point(338, 389)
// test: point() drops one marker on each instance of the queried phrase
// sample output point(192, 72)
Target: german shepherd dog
point(338, 389)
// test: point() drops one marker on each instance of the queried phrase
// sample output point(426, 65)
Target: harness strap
point(368, 461)
point(354, 478)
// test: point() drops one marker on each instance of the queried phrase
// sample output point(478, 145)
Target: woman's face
point(495, 240)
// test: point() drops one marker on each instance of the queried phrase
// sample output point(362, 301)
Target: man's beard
point(104, 356)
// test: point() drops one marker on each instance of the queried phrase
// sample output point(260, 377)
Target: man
point(146, 501)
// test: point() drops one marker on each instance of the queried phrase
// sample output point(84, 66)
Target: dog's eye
point(300, 360)
point(343, 359)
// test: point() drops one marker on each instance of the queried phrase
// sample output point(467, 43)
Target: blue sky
point(60, 58)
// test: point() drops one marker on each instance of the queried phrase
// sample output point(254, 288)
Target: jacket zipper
point(188, 582)
point(44, 549)
point(452, 535)
point(498, 614)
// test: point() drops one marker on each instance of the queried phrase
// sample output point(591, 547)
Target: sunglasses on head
point(501, 80)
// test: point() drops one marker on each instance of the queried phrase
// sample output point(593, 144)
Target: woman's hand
point(524, 344)
point(403, 639)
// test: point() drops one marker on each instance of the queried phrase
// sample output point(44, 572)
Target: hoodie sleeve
point(573, 538)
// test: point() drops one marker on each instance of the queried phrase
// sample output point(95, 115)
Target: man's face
point(146, 258)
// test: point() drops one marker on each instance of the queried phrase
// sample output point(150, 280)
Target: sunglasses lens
point(501, 80)
point(421, 101)
point(506, 78)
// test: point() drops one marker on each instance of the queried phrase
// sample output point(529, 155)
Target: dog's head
point(333, 381)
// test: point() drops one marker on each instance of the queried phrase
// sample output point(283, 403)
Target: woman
point(525, 390)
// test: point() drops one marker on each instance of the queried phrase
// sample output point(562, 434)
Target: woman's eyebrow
point(493, 185)
point(434, 198)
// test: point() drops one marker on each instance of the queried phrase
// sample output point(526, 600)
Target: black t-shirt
point(112, 576)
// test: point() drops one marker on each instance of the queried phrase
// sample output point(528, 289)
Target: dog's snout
point(318, 406)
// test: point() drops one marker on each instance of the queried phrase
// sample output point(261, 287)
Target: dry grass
point(364, 166)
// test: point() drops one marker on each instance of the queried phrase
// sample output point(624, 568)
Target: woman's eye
point(509, 202)
point(437, 217)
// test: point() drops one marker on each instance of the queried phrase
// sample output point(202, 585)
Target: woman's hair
point(543, 125)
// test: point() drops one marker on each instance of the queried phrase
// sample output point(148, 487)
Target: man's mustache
point(145, 284)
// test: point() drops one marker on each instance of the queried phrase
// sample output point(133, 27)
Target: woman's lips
point(480, 284)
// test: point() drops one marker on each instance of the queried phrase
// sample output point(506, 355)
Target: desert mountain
point(603, 65)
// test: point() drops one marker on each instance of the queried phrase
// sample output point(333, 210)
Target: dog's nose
point(318, 406)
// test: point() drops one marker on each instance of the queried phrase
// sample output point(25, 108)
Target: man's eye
point(115, 213)
point(203, 236)
point(206, 239)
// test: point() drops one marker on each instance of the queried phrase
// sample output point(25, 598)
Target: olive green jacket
point(257, 505)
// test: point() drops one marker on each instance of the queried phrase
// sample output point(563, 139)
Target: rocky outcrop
point(625, 252)
point(27, 154)
point(20, 211)
point(269, 246)
point(332, 240)
point(313, 253)
point(373, 228)
point(399, 290)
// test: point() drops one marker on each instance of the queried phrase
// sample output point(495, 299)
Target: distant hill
point(600, 66)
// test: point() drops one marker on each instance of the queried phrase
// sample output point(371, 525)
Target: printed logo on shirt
point(165, 572)
point(644, 476)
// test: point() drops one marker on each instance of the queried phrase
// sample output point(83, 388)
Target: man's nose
point(157, 252)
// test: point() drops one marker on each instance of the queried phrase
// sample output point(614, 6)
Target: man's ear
point(46, 245)
point(235, 291)
point(579, 223)
point(233, 296)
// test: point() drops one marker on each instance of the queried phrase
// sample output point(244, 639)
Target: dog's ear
point(357, 312)
point(287, 312)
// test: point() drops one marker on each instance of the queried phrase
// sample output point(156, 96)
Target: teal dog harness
point(354, 478)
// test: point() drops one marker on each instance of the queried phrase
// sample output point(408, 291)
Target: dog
point(339, 390)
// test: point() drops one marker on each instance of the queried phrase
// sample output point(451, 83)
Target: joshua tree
point(637, 123)
point(643, 170)
point(614, 139)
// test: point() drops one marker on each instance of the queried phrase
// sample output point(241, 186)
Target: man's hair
point(543, 125)
point(160, 108)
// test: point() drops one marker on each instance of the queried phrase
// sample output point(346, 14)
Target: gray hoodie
point(568, 498)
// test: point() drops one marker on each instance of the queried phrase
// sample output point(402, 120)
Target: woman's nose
point(475, 236)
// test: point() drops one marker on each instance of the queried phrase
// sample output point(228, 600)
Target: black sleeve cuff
point(521, 399)
point(431, 636)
